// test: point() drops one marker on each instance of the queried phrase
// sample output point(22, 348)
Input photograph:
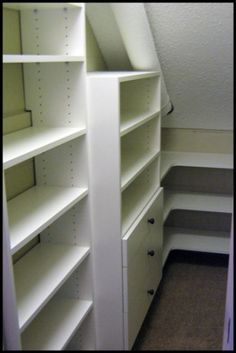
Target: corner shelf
point(40, 273)
point(56, 324)
point(33, 210)
point(191, 159)
point(196, 201)
point(195, 240)
point(24, 144)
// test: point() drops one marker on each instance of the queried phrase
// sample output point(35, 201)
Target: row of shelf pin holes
point(37, 28)
point(40, 96)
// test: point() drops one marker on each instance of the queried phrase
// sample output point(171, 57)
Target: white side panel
point(104, 163)
point(11, 336)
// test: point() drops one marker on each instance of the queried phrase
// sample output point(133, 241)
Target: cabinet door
point(142, 268)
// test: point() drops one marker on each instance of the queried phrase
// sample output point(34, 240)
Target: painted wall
point(194, 42)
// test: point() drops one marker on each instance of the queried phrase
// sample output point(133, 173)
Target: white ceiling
point(194, 42)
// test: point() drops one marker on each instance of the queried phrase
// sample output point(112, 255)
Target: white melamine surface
point(33, 210)
point(133, 204)
point(132, 120)
point(40, 273)
point(195, 240)
point(39, 5)
point(15, 59)
point(123, 76)
point(208, 160)
point(55, 324)
point(133, 165)
point(29, 142)
point(196, 201)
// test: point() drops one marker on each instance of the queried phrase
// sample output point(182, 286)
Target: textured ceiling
point(194, 42)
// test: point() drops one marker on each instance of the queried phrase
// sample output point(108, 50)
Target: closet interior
point(96, 193)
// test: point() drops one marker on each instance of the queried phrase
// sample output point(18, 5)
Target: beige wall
point(95, 61)
point(197, 140)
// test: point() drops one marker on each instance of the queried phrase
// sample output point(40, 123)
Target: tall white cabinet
point(124, 149)
point(52, 282)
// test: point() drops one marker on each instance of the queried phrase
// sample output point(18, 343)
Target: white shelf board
point(194, 240)
point(197, 202)
point(36, 208)
point(40, 273)
point(133, 165)
point(134, 204)
point(123, 76)
point(55, 324)
point(39, 5)
point(24, 59)
point(191, 159)
point(133, 120)
point(27, 143)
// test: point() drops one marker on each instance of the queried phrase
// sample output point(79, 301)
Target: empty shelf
point(24, 144)
point(196, 201)
point(189, 159)
point(55, 324)
point(23, 59)
point(40, 273)
point(194, 240)
point(33, 210)
point(132, 120)
point(123, 76)
point(133, 165)
point(39, 5)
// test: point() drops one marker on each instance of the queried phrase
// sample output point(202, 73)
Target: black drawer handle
point(151, 252)
point(151, 291)
point(151, 220)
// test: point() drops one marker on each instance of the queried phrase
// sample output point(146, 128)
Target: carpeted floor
point(187, 312)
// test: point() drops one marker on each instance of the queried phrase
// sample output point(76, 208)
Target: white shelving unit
point(124, 139)
point(190, 239)
point(53, 280)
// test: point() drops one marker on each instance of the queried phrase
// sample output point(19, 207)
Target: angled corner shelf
point(195, 240)
point(192, 159)
point(196, 201)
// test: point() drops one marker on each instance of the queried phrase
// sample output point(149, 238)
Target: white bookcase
point(53, 281)
point(124, 141)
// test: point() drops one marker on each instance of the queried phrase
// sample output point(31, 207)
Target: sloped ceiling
point(194, 42)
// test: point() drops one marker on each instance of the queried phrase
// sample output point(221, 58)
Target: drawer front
point(142, 266)
point(155, 243)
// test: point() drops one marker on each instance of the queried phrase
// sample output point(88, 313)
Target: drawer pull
point(151, 291)
point(151, 252)
point(151, 220)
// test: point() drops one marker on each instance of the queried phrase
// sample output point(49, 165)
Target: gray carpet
point(187, 312)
